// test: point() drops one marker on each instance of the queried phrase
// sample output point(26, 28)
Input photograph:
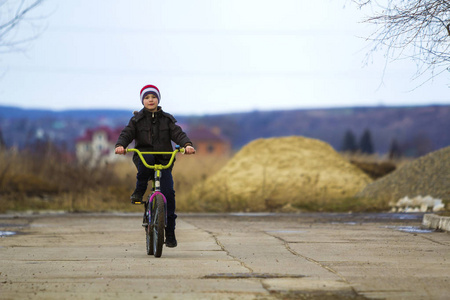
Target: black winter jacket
point(153, 132)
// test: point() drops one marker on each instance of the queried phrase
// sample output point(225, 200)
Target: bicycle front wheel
point(148, 230)
point(159, 222)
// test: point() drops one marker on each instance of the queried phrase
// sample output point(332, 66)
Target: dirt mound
point(427, 175)
point(276, 173)
point(375, 170)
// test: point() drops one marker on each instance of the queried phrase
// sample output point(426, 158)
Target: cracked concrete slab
point(365, 259)
point(102, 256)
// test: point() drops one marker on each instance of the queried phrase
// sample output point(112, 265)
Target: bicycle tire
point(149, 233)
point(159, 224)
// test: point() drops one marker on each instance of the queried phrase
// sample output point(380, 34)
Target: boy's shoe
point(136, 198)
point(171, 241)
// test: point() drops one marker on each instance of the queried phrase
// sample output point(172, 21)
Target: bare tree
point(416, 29)
point(13, 13)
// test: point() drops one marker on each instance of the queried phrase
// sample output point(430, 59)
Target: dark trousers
point(144, 174)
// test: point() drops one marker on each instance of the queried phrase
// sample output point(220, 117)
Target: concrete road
point(238, 256)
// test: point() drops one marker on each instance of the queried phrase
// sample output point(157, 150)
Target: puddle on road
point(286, 231)
point(250, 275)
point(243, 214)
point(410, 229)
point(345, 223)
point(7, 233)
point(10, 229)
point(408, 216)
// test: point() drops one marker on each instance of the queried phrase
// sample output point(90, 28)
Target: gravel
point(427, 175)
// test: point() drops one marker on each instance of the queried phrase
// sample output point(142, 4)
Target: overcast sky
point(206, 56)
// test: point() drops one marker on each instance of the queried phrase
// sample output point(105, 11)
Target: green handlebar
point(157, 167)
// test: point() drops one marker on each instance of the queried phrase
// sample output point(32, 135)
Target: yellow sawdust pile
point(277, 173)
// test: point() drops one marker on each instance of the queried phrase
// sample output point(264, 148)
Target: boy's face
point(151, 102)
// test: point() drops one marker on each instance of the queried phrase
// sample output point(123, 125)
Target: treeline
point(365, 145)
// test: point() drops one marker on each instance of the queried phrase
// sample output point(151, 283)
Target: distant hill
point(418, 129)
point(9, 112)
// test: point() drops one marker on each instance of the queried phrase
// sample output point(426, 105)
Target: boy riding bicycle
point(152, 129)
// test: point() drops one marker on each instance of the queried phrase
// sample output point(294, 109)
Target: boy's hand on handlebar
point(120, 150)
point(189, 150)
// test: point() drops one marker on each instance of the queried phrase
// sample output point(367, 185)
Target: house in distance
point(209, 141)
point(96, 146)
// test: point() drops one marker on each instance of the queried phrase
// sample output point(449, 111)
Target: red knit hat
point(150, 89)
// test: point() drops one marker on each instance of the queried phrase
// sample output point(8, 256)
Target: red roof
point(112, 134)
point(205, 134)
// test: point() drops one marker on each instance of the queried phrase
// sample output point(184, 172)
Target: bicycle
point(155, 214)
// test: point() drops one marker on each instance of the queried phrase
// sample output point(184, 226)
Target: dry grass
point(376, 159)
point(191, 170)
point(47, 182)
point(188, 171)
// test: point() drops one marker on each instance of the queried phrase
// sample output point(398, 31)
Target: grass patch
point(46, 181)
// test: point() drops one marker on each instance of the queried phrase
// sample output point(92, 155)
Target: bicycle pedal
point(137, 203)
point(144, 224)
